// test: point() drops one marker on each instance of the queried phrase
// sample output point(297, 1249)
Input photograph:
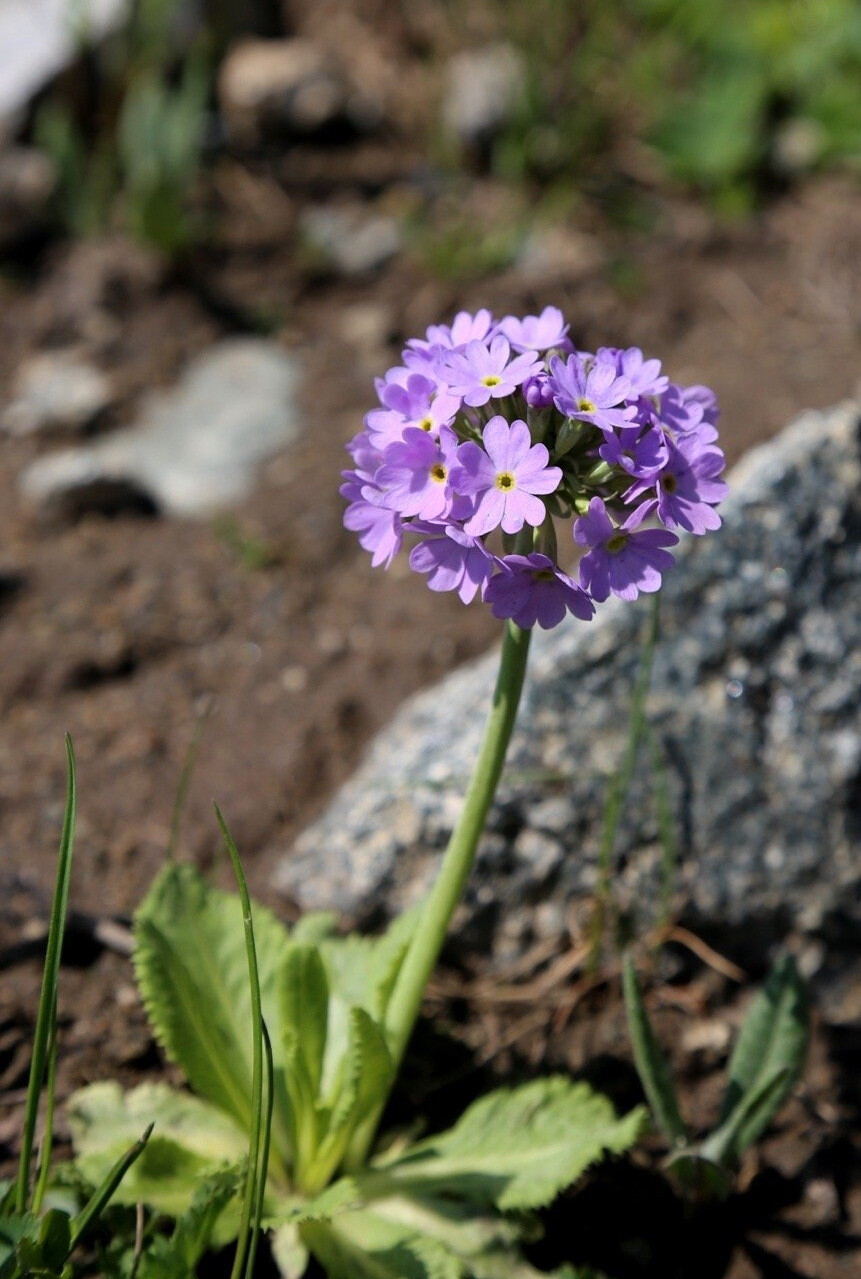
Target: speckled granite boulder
point(756, 697)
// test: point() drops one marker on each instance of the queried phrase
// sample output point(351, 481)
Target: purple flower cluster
point(491, 431)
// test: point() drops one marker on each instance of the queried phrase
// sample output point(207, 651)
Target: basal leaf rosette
point(490, 432)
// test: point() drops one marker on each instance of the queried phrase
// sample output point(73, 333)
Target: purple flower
point(505, 476)
point(536, 332)
point(452, 560)
point(538, 391)
point(592, 393)
point(705, 398)
point(415, 474)
point(532, 589)
point(640, 453)
point(464, 328)
point(425, 355)
point(417, 403)
point(480, 372)
point(688, 488)
point(623, 560)
point(644, 375)
point(686, 414)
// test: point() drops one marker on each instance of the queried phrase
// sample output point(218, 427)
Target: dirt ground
point(122, 630)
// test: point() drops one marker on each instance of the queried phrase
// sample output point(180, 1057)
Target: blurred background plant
point(728, 96)
point(127, 146)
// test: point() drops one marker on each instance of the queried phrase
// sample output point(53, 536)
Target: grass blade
point(650, 1062)
point(95, 1206)
point(250, 1190)
point(260, 1195)
point(48, 1136)
point(50, 977)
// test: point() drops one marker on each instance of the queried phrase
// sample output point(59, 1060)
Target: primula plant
point(764, 1067)
point(488, 435)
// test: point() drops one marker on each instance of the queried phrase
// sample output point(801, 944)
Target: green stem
point(424, 950)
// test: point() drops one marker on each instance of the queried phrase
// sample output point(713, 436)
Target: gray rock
point(194, 449)
point(756, 698)
point(38, 38)
point(349, 238)
point(482, 90)
point(55, 389)
point(272, 87)
point(27, 182)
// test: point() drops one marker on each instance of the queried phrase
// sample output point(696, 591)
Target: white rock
point(289, 85)
point(56, 389)
point(38, 38)
point(482, 89)
point(351, 239)
point(194, 449)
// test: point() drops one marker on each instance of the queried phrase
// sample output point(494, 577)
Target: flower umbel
point(491, 431)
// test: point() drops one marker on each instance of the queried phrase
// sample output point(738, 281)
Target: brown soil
point(121, 631)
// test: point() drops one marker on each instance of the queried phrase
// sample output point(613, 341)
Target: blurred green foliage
point(127, 143)
point(726, 94)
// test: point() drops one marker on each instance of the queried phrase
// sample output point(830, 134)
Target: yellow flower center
point(505, 481)
point(491, 380)
point(426, 424)
point(617, 543)
point(586, 406)
point(439, 473)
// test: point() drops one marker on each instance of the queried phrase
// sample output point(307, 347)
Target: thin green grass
point(258, 1151)
point(46, 1017)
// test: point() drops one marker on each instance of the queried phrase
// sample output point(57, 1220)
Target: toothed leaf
point(518, 1148)
point(289, 1252)
point(363, 1084)
point(192, 1140)
point(192, 971)
point(362, 1246)
point(304, 998)
point(169, 1257)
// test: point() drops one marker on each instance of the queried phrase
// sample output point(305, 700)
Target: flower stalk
point(446, 893)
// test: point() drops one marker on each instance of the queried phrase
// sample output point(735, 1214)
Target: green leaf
point(362, 972)
point(341, 1196)
point(651, 1065)
point(509, 1265)
point(466, 1229)
point(178, 1255)
point(364, 1082)
point(773, 1041)
point(364, 1247)
point(699, 1174)
point(753, 1113)
point(193, 1140)
point(191, 966)
point(517, 1148)
point(304, 994)
point(55, 1238)
point(316, 926)
point(13, 1229)
point(289, 1252)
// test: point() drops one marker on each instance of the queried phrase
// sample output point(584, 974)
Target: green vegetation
point(129, 153)
point(725, 94)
